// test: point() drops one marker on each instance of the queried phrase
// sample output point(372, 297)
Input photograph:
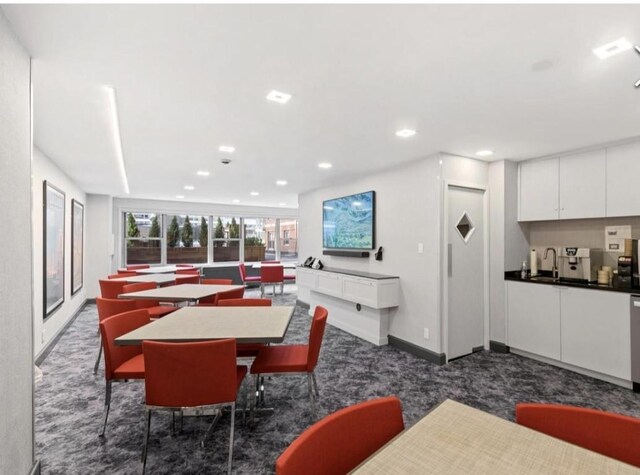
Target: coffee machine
point(580, 264)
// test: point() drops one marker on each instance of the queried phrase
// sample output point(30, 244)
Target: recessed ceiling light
point(279, 97)
point(254, 193)
point(236, 201)
point(226, 148)
point(484, 153)
point(405, 133)
point(281, 182)
point(180, 197)
point(613, 48)
point(189, 187)
point(325, 165)
point(202, 173)
point(283, 204)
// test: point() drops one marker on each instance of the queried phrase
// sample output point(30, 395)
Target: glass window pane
point(142, 232)
point(226, 239)
point(187, 239)
point(259, 239)
point(288, 240)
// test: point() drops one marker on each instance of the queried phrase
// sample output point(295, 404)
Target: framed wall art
point(53, 245)
point(77, 246)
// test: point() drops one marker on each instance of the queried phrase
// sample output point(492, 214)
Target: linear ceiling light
point(613, 48)
point(115, 127)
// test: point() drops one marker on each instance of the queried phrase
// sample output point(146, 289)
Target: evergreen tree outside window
point(132, 227)
point(187, 233)
point(173, 233)
point(154, 231)
point(203, 239)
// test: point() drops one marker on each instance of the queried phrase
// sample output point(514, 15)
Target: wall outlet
point(426, 333)
point(420, 248)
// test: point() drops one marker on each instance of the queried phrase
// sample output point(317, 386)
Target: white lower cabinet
point(533, 318)
point(596, 331)
point(586, 328)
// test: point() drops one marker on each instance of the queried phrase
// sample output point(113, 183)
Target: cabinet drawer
point(306, 279)
point(330, 284)
point(364, 291)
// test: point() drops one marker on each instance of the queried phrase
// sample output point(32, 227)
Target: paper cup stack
point(605, 275)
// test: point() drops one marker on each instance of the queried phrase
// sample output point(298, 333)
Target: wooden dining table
point(157, 278)
point(457, 439)
point(245, 324)
point(180, 293)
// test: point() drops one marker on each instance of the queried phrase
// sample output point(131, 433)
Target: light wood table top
point(180, 293)
point(159, 270)
point(157, 278)
point(457, 439)
point(246, 324)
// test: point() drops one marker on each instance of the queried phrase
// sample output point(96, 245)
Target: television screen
point(349, 222)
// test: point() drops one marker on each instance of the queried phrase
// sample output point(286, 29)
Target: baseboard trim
point(35, 470)
point(431, 356)
point(40, 357)
point(498, 347)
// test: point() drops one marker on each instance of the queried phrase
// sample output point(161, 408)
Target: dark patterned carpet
point(69, 402)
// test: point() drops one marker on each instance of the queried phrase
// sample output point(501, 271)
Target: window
point(288, 240)
point(143, 238)
point(187, 239)
point(258, 246)
point(226, 239)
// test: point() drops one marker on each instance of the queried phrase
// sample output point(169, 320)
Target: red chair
point(188, 270)
point(188, 279)
point(341, 441)
point(271, 275)
point(121, 363)
point(294, 359)
point(245, 278)
point(196, 375)
point(108, 308)
point(246, 350)
point(229, 294)
point(137, 266)
point(269, 262)
point(121, 274)
point(609, 434)
point(212, 300)
point(152, 306)
point(110, 289)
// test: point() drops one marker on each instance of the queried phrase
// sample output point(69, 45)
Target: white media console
point(358, 302)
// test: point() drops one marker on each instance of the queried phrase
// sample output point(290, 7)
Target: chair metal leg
point(145, 447)
point(282, 288)
point(311, 395)
point(107, 405)
point(254, 398)
point(315, 383)
point(233, 420)
point(274, 290)
point(95, 367)
point(261, 290)
point(216, 418)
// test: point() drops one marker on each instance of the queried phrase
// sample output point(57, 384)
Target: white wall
point(44, 331)
point(408, 212)
point(16, 342)
point(98, 232)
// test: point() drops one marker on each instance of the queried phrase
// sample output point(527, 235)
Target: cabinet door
point(363, 291)
point(538, 190)
point(582, 185)
point(596, 331)
point(330, 284)
point(623, 172)
point(306, 278)
point(533, 318)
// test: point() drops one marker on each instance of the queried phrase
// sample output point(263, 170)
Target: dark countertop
point(514, 276)
point(357, 273)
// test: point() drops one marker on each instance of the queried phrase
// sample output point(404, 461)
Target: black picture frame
point(77, 246)
point(53, 244)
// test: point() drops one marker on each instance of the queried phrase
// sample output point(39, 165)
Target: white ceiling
point(520, 80)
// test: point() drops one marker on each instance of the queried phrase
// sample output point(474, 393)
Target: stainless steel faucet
point(554, 269)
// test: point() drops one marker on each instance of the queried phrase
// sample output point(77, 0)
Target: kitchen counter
point(544, 278)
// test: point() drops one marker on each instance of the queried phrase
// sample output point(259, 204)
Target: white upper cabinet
point(538, 190)
point(623, 175)
point(583, 185)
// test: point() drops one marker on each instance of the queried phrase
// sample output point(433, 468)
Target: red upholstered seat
point(187, 270)
point(212, 299)
point(281, 359)
point(131, 369)
point(110, 289)
point(341, 441)
point(158, 311)
point(609, 434)
point(152, 306)
point(245, 278)
point(229, 294)
point(190, 279)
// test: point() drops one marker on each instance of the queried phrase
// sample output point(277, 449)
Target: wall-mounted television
point(349, 222)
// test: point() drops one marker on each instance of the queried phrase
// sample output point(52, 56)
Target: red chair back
point(244, 303)
point(121, 274)
point(110, 307)
point(230, 294)
point(316, 334)
point(271, 274)
point(137, 266)
point(110, 289)
point(217, 281)
point(113, 327)
point(188, 270)
point(243, 272)
point(609, 434)
point(192, 279)
point(138, 287)
point(190, 374)
point(341, 441)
